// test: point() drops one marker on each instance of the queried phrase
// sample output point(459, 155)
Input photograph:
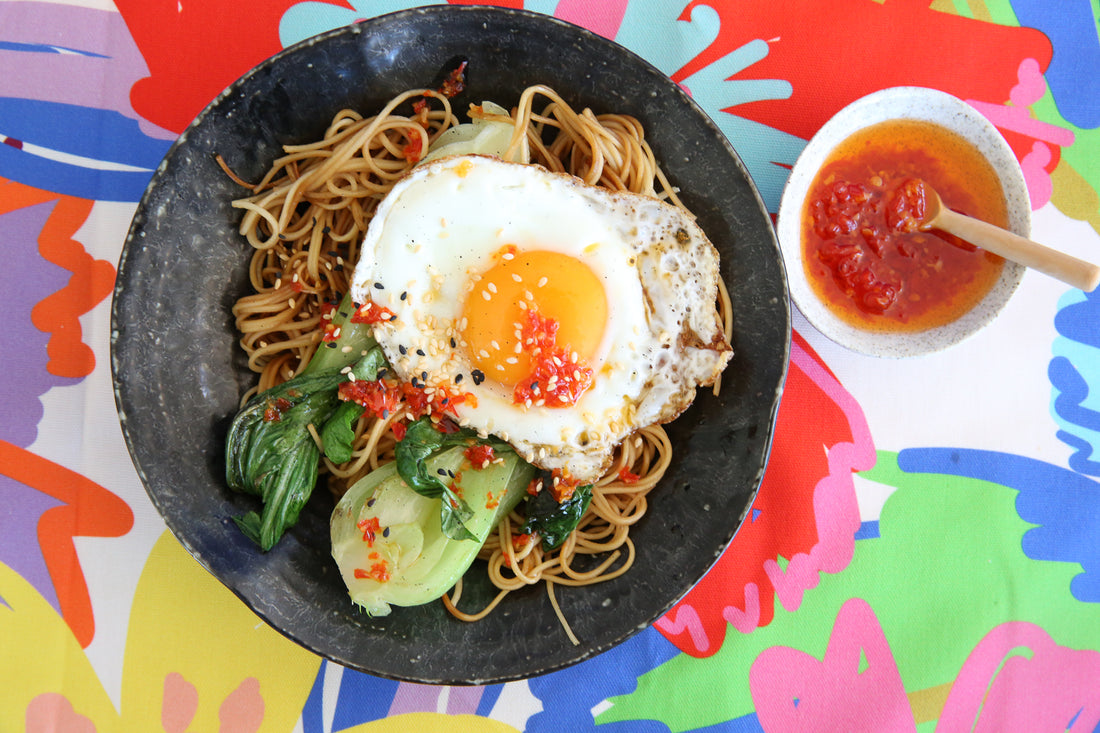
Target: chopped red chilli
point(627, 476)
point(273, 412)
point(558, 377)
point(370, 528)
point(378, 571)
point(480, 455)
point(414, 150)
point(371, 312)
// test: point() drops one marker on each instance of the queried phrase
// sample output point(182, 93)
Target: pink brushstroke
point(603, 18)
point(793, 691)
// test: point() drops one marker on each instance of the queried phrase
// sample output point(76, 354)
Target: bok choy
point(270, 451)
point(387, 538)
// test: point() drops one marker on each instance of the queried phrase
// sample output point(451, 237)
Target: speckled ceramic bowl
point(179, 371)
point(916, 103)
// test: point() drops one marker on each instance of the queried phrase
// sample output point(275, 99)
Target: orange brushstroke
point(87, 510)
point(92, 280)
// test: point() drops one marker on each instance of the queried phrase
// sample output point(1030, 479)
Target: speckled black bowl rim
point(178, 371)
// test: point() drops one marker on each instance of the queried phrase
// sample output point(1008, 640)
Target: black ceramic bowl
point(179, 372)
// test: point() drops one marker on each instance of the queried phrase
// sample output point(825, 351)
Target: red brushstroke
point(833, 53)
point(87, 510)
point(196, 49)
point(802, 512)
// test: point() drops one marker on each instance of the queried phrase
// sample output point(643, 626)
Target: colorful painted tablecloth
point(924, 552)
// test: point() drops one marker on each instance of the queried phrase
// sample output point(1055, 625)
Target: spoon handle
point(1064, 267)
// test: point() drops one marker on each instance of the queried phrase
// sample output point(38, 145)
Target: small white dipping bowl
point(913, 103)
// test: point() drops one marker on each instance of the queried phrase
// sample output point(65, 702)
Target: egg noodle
point(305, 220)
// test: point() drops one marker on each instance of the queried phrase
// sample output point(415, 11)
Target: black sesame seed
point(339, 268)
point(420, 352)
point(386, 532)
point(325, 230)
point(424, 376)
point(393, 318)
point(402, 349)
point(458, 378)
point(404, 294)
point(478, 376)
point(450, 473)
point(454, 345)
point(331, 344)
point(379, 286)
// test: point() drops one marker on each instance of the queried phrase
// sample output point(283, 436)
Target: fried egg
point(570, 315)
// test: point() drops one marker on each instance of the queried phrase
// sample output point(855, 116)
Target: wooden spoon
point(1068, 269)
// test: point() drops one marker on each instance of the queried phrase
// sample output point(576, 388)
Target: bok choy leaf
point(270, 451)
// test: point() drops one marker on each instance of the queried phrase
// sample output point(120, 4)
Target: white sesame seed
point(495, 345)
point(542, 281)
point(518, 348)
point(278, 283)
point(345, 370)
point(346, 349)
point(528, 295)
point(485, 294)
point(511, 360)
point(500, 367)
point(483, 354)
point(290, 302)
point(507, 256)
point(517, 278)
point(492, 287)
point(522, 305)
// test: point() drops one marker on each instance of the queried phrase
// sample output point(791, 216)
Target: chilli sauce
point(863, 255)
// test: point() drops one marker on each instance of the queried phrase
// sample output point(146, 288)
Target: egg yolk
point(559, 287)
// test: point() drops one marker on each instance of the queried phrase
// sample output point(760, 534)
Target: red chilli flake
point(414, 150)
point(370, 528)
point(563, 486)
point(480, 456)
point(329, 331)
point(556, 378)
point(371, 312)
point(455, 81)
point(627, 476)
point(399, 429)
point(380, 397)
point(274, 410)
point(519, 541)
point(379, 571)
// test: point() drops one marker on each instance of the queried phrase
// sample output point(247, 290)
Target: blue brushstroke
point(613, 673)
point(95, 134)
point(1074, 73)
